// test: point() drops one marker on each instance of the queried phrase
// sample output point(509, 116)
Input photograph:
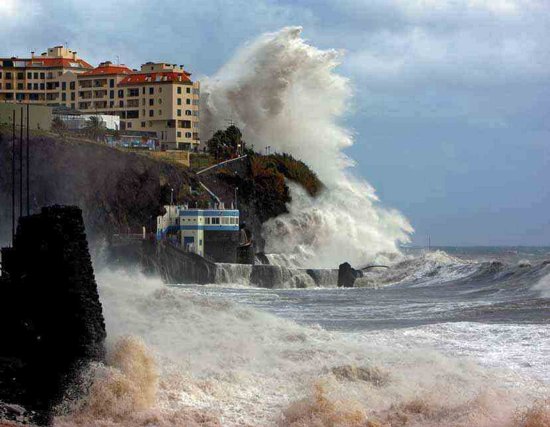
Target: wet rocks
point(347, 275)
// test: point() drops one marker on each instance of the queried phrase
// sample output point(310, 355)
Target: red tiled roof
point(58, 62)
point(159, 77)
point(108, 70)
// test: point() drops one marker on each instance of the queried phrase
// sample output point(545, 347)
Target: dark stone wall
point(221, 246)
point(175, 265)
point(51, 319)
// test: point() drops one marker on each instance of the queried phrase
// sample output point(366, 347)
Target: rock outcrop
point(347, 275)
point(51, 319)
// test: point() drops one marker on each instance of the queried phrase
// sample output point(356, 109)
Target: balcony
point(100, 83)
point(100, 105)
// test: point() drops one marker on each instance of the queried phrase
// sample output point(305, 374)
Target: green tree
point(225, 144)
point(95, 128)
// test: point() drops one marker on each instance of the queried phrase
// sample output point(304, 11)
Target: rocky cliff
point(117, 190)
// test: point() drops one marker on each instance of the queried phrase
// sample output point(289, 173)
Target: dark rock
point(262, 258)
point(51, 318)
point(347, 275)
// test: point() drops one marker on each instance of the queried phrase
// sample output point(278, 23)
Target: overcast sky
point(452, 96)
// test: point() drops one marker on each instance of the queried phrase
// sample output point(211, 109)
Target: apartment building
point(159, 98)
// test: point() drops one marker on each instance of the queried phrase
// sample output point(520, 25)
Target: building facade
point(158, 98)
point(212, 233)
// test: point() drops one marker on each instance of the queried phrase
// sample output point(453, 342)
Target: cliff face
point(261, 186)
point(121, 191)
point(118, 191)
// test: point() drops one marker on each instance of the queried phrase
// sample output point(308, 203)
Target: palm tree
point(58, 125)
point(95, 128)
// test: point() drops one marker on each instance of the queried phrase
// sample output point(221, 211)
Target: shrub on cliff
point(294, 170)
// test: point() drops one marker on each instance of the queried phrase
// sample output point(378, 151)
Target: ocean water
point(453, 337)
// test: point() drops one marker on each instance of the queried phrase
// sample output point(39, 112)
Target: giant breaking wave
point(285, 94)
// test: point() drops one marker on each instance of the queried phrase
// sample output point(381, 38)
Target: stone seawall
point(51, 319)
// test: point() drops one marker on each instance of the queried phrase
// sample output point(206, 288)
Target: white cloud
point(8, 8)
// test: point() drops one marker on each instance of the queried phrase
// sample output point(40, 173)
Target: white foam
point(286, 94)
point(246, 366)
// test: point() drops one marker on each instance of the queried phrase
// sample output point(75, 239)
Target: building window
point(186, 124)
point(42, 75)
point(188, 113)
point(151, 90)
point(121, 93)
point(151, 101)
point(188, 89)
point(29, 86)
point(8, 75)
point(35, 86)
point(20, 86)
point(63, 96)
point(112, 94)
point(179, 112)
point(35, 75)
point(20, 76)
point(188, 101)
point(160, 101)
point(121, 104)
point(72, 85)
point(188, 134)
point(143, 91)
point(112, 83)
point(29, 75)
point(179, 90)
point(179, 134)
point(129, 125)
point(63, 86)
point(151, 113)
point(133, 92)
point(142, 124)
point(132, 114)
point(160, 112)
point(73, 96)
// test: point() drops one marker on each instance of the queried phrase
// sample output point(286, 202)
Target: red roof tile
point(158, 77)
point(108, 70)
point(58, 63)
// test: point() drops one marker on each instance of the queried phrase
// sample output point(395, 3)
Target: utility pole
point(21, 165)
point(28, 163)
point(236, 200)
point(13, 179)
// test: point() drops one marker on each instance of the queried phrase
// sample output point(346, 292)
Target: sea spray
point(222, 363)
point(286, 94)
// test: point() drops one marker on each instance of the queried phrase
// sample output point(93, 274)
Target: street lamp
point(171, 197)
point(236, 205)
